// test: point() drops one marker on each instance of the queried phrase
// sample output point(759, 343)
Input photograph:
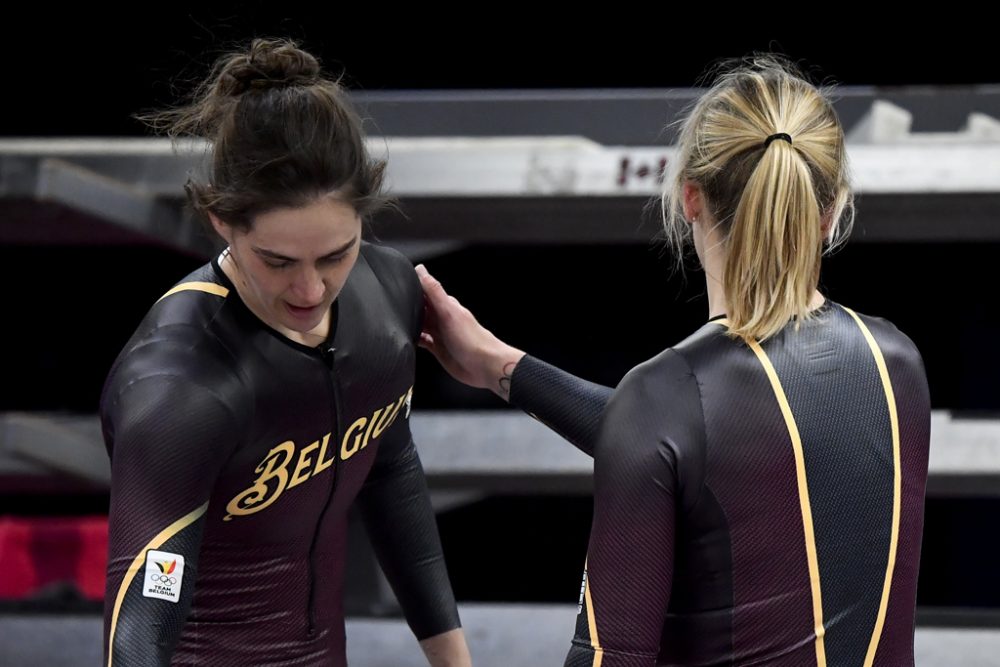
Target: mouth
point(302, 312)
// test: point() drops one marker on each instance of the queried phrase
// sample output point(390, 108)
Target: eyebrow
point(270, 254)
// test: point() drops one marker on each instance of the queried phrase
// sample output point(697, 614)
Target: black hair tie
point(779, 135)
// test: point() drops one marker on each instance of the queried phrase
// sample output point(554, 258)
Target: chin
point(299, 327)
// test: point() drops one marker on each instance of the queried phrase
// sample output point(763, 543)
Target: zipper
point(329, 361)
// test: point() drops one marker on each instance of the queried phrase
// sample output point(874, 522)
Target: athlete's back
point(761, 503)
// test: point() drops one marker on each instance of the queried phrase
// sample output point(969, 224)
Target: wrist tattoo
point(504, 382)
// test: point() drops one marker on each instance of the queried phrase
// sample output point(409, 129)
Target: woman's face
point(293, 262)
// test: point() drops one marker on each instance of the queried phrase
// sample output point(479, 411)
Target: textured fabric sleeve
point(395, 503)
point(396, 509)
point(651, 422)
point(168, 439)
point(568, 405)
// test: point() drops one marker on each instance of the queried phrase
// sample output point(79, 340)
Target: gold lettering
point(358, 426)
point(259, 496)
point(304, 462)
point(272, 472)
point(371, 425)
point(322, 465)
point(391, 411)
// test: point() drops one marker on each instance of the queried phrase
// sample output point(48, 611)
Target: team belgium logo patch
point(164, 576)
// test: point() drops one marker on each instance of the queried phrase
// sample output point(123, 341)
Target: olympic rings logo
point(162, 579)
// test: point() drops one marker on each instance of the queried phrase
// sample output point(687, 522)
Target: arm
point(396, 509)
point(570, 406)
point(472, 355)
point(637, 499)
point(447, 649)
point(168, 440)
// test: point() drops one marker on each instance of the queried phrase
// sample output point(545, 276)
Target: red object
point(38, 552)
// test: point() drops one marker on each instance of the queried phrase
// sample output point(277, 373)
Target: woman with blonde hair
point(758, 486)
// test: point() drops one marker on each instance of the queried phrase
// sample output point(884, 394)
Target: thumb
point(431, 286)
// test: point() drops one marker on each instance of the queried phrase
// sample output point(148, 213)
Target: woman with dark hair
point(759, 486)
point(266, 393)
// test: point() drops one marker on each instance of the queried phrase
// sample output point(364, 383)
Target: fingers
point(432, 288)
point(440, 307)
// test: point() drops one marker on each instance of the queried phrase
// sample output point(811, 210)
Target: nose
point(308, 287)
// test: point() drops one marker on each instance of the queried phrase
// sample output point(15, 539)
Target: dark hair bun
point(269, 64)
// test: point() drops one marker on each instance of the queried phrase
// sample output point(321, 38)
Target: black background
point(84, 69)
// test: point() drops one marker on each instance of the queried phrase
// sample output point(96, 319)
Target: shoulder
point(667, 369)
point(396, 275)
point(186, 312)
point(386, 261)
point(894, 345)
point(654, 400)
point(176, 352)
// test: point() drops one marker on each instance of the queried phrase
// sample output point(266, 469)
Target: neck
point(714, 265)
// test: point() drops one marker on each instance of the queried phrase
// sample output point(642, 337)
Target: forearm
point(501, 362)
point(150, 590)
point(395, 506)
point(447, 649)
point(570, 406)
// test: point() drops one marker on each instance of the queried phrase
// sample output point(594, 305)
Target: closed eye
point(275, 261)
point(277, 265)
point(330, 260)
